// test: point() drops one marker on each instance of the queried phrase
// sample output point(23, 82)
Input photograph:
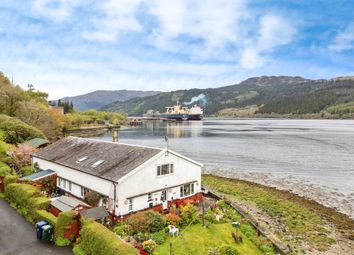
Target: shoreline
point(336, 225)
point(320, 194)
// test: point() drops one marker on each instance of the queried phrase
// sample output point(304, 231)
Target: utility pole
point(203, 214)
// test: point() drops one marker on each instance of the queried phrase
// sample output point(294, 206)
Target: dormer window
point(82, 159)
point(97, 163)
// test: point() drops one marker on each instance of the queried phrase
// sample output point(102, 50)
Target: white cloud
point(118, 16)
point(344, 39)
point(273, 32)
point(55, 10)
point(215, 22)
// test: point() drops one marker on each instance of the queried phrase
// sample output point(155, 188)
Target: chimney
point(115, 132)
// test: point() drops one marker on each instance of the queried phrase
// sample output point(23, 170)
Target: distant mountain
point(273, 80)
point(100, 98)
point(266, 96)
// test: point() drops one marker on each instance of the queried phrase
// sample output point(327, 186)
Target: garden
point(201, 233)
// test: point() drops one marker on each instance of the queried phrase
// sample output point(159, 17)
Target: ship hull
point(181, 117)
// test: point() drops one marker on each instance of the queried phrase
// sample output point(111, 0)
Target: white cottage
point(129, 177)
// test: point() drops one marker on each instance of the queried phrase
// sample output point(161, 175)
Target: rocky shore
point(343, 203)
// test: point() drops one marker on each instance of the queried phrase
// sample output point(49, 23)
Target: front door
point(164, 195)
point(164, 200)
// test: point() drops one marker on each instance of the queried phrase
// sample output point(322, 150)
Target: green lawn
point(300, 217)
point(196, 240)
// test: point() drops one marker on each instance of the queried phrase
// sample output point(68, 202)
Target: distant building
point(58, 109)
point(129, 178)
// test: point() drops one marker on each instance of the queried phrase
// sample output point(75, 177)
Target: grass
point(303, 219)
point(197, 240)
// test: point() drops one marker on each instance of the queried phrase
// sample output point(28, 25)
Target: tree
point(21, 155)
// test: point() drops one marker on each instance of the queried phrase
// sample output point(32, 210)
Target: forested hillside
point(280, 95)
point(100, 98)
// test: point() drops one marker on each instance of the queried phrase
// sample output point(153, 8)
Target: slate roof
point(65, 203)
point(38, 175)
point(96, 213)
point(81, 154)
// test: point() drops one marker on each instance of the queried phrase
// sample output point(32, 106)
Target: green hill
point(269, 94)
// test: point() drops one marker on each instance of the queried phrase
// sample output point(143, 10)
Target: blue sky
point(70, 47)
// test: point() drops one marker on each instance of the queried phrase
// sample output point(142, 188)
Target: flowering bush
point(174, 219)
point(149, 245)
point(188, 214)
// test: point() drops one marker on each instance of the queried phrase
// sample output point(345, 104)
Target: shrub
point(16, 131)
point(2, 136)
point(174, 219)
point(10, 179)
point(156, 221)
point(77, 250)
point(222, 204)
point(92, 198)
point(188, 214)
point(141, 237)
point(20, 194)
point(4, 169)
point(4, 147)
point(64, 219)
point(138, 222)
point(149, 245)
point(209, 216)
point(97, 239)
point(26, 170)
point(159, 237)
point(228, 250)
point(121, 229)
point(41, 202)
point(26, 199)
point(148, 221)
point(47, 216)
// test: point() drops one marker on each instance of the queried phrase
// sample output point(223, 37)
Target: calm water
point(317, 151)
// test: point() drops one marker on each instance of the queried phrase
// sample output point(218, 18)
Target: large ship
point(179, 112)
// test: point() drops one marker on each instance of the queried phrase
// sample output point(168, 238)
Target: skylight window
point(82, 159)
point(97, 163)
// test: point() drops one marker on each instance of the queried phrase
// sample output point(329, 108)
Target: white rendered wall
point(94, 183)
point(145, 180)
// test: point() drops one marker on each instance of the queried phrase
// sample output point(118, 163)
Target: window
point(165, 169)
point(187, 189)
point(97, 163)
point(82, 159)
point(130, 203)
point(84, 191)
point(69, 184)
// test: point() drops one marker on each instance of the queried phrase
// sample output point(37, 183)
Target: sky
point(71, 47)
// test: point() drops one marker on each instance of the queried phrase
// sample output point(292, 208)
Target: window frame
point(161, 171)
point(187, 187)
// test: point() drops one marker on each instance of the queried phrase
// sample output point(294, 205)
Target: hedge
point(47, 216)
point(19, 194)
point(77, 250)
point(41, 202)
point(64, 219)
point(99, 240)
point(10, 179)
point(26, 199)
point(4, 169)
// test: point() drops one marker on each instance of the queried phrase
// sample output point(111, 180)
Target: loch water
point(318, 153)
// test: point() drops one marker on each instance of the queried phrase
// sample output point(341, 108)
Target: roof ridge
point(110, 142)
